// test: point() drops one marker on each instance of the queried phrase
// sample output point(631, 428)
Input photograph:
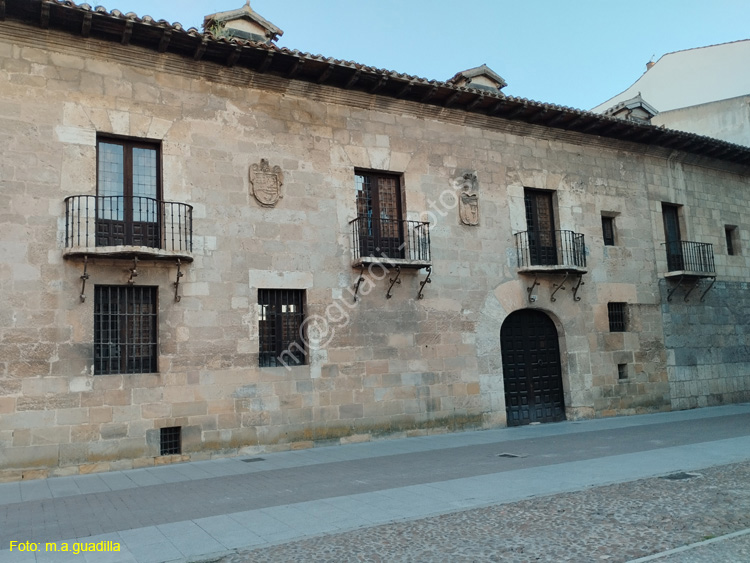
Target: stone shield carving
point(266, 183)
point(468, 198)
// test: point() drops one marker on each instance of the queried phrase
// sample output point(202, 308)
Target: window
point(622, 371)
point(380, 229)
point(128, 207)
point(617, 317)
point(733, 247)
point(280, 326)
point(124, 329)
point(671, 217)
point(608, 230)
point(170, 440)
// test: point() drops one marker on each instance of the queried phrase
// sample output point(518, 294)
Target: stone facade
point(376, 366)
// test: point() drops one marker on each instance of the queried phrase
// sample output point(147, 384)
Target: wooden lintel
point(325, 74)
point(127, 32)
point(86, 26)
point(266, 62)
point(353, 79)
point(201, 49)
point(379, 84)
point(234, 56)
point(475, 102)
point(44, 20)
point(295, 68)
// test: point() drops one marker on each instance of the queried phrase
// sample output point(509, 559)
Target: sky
point(576, 53)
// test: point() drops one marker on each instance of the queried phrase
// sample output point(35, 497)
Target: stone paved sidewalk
point(615, 523)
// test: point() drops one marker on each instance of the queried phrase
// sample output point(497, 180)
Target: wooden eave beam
point(559, 118)
point(200, 50)
point(127, 32)
point(234, 56)
point(452, 98)
point(166, 37)
point(353, 79)
point(405, 89)
point(266, 62)
point(296, 66)
point(2, 10)
point(494, 109)
point(475, 102)
point(44, 18)
point(86, 26)
point(379, 84)
point(538, 117)
point(431, 92)
point(326, 74)
point(518, 110)
point(591, 125)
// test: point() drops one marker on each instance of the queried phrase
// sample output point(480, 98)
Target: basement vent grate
point(252, 459)
point(506, 454)
point(681, 476)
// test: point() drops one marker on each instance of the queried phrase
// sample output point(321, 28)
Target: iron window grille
point(617, 317)
point(170, 440)
point(608, 230)
point(281, 325)
point(125, 329)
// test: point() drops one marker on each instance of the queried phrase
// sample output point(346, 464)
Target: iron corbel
point(422, 283)
point(689, 291)
point(360, 279)
point(177, 297)
point(559, 287)
point(671, 292)
point(713, 281)
point(84, 277)
point(530, 289)
point(133, 271)
point(394, 281)
point(578, 285)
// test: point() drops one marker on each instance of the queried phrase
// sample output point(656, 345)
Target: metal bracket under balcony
point(392, 246)
point(689, 261)
point(127, 228)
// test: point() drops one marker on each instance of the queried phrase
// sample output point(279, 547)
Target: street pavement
point(589, 490)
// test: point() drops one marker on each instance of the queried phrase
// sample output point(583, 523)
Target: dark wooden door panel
point(531, 369)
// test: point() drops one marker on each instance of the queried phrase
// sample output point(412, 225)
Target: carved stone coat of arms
point(468, 198)
point(266, 183)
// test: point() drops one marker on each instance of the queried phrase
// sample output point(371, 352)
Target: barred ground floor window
point(125, 329)
point(281, 326)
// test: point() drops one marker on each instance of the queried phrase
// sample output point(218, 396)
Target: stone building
point(214, 246)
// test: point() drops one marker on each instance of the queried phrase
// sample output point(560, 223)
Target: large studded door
point(531, 369)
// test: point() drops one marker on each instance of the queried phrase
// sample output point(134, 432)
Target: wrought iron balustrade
point(390, 239)
point(134, 221)
point(689, 256)
point(550, 248)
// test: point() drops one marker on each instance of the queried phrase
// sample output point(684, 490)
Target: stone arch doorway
point(531, 368)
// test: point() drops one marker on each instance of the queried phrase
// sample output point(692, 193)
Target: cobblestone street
point(615, 523)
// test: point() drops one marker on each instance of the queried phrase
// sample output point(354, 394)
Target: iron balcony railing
point(550, 248)
point(92, 220)
point(685, 255)
point(390, 239)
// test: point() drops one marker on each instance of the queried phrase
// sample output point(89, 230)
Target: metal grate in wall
point(617, 317)
point(280, 327)
point(125, 329)
point(171, 440)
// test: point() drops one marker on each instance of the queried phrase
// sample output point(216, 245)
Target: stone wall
point(708, 344)
point(397, 366)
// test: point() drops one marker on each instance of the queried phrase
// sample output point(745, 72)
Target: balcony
point(688, 258)
point(128, 227)
point(551, 251)
point(390, 242)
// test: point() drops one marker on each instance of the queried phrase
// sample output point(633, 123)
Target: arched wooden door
point(531, 368)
